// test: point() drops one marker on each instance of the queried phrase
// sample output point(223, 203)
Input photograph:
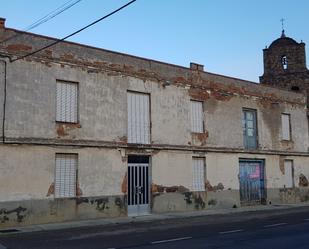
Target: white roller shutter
point(66, 102)
point(198, 174)
point(196, 116)
point(285, 120)
point(138, 118)
point(288, 173)
point(65, 175)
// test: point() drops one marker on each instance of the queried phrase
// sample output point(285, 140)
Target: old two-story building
point(88, 133)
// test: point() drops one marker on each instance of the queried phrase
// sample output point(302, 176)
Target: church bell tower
point(285, 65)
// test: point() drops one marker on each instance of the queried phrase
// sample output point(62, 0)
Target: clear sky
point(226, 36)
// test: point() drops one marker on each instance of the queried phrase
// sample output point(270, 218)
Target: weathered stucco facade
point(31, 137)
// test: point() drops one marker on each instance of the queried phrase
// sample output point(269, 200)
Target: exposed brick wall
point(96, 59)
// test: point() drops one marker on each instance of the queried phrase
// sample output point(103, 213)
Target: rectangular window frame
point(77, 102)
point(192, 123)
point(198, 187)
point(255, 126)
point(149, 113)
point(56, 195)
point(292, 185)
point(289, 137)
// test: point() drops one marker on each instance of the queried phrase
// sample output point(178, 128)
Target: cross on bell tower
point(282, 27)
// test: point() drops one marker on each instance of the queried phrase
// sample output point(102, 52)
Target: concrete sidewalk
point(151, 217)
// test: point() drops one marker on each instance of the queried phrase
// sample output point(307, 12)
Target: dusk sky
point(226, 36)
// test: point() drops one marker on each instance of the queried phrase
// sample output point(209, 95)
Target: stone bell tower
point(285, 65)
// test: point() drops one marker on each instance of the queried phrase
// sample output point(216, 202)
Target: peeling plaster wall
point(31, 103)
point(38, 211)
point(104, 78)
point(101, 172)
point(229, 115)
point(270, 127)
point(28, 171)
point(100, 137)
point(102, 102)
point(169, 111)
point(27, 175)
point(222, 183)
point(170, 116)
point(172, 169)
point(277, 193)
point(223, 168)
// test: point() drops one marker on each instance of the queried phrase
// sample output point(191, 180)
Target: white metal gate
point(138, 187)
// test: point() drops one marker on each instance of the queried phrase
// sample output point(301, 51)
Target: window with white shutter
point(197, 116)
point(65, 175)
point(138, 118)
point(66, 102)
point(198, 174)
point(288, 173)
point(286, 126)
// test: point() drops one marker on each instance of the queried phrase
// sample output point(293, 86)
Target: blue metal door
point(251, 181)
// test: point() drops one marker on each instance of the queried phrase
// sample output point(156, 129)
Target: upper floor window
point(249, 125)
point(286, 126)
point(66, 102)
point(138, 118)
point(284, 62)
point(197, 116)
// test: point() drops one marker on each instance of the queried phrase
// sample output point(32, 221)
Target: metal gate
point(251, 181)
point(138, 185)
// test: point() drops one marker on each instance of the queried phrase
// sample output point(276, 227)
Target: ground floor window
point(198, 174)
point(65, 175)
point(288, 173)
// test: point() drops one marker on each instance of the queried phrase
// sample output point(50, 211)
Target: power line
point(46, 18)
point(76, 32)
point(52, 14)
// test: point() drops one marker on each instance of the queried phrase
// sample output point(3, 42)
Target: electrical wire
point(74, 33)
point(53, 14)
point(46, 18)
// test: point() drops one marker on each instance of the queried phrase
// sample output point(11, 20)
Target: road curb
point(151, 218)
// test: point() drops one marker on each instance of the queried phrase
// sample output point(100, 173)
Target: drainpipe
point(4, 98)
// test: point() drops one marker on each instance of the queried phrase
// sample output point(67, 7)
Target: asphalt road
point(249, 230)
